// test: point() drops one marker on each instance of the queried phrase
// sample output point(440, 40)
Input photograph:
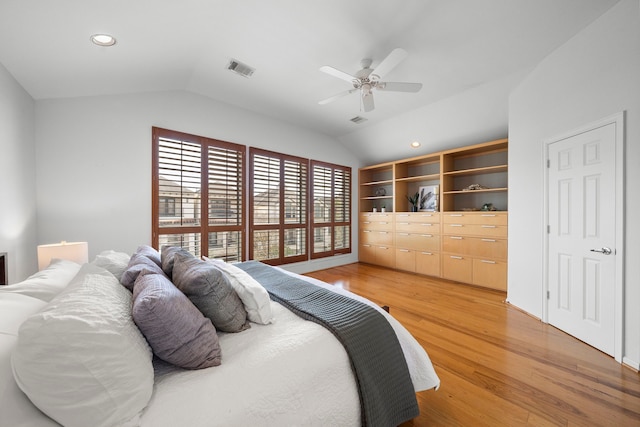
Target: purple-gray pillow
point(167, 257)
point(137, 264)
point(174, 328)
point(210, 291)
point(150, 253)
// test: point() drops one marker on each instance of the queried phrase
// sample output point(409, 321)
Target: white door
point(582, 236)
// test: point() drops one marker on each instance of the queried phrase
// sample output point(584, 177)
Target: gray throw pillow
point(167, 257)
point(210, 291)
point(174, 328)
point(137, 264)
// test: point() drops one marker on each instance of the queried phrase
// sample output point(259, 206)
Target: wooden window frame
point(204, 228)
point(282, 226)
point(332, 224)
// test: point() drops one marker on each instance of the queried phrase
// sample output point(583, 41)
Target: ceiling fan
point(368, 79)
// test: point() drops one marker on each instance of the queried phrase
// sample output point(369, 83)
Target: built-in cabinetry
point(464, 240)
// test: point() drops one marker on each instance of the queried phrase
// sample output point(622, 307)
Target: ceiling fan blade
point(338, 96)
point(389, 63)
point(367, 102)
point(399, 86)
point(337, 73)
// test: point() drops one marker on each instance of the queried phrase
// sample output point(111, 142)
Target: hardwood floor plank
point(498, 365)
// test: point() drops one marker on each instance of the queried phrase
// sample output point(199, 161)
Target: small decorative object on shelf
point(473, 187)
point(414, 200)
point(380, 192)
point(488, 207)
point(375, 209)
point(383, 209)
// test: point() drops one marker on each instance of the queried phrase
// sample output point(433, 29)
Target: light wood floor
point(497, 365)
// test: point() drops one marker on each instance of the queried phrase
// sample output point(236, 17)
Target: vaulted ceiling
point(452, 45)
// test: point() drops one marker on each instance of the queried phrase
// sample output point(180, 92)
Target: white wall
point(94, 162)
point(17, 178)
point(592, 76)
point(476, 115)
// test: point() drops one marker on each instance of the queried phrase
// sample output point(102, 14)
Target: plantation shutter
point(331, 221)
point(182, 166)
point(278, 207)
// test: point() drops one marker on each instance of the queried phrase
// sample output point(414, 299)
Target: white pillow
point(16, 410)
point(82, 360)
point(47, 283)
point(253, 295)
point(114, 262)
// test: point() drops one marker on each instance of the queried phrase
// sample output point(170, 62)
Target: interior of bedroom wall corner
point(94, 160)
point(18, 178)
point(592, 76)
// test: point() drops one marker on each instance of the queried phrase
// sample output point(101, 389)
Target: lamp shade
point(72, 251)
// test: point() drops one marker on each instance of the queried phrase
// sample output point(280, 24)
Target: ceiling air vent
point(358, 119)
point(238, 67)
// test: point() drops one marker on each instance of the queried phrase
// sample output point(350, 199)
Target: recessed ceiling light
point(415, 144)
point(103, 39)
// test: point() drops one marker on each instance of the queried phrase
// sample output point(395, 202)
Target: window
point(331, 220)
point(197, 195)
point(278, 207)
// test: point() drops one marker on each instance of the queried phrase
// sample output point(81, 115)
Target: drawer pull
point(427, 235)
point(404, 215)
point(456, 238)
point(487, 261)
point(489, 240)
point(403, 234)
point(385, 223)
point(455, 214)
point(455, 257)
point(427, 253)
point(488, 226)
point(383, 247)
point(383, 232)
point(426, 224)
point(429, 215)
point(492, 215)
point(366, 231)
point(402, 223)
point(366, 246)
point(366, 222)
point(455, 225)
point(404, 250)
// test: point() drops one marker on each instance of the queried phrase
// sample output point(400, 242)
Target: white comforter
point(291, 372)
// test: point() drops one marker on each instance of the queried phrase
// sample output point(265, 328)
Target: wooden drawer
point(431, 217)
point(481, 230)
point(490, 218)
point(457, 244)
point(489, 248)
point(385, 256)
point(428, 263)
point(490, 273)
point(367, 253)
point(376, 221)
point(418, 227)
point(419, 242)
point(457, 268)
point(406, 260)
point(376, 237)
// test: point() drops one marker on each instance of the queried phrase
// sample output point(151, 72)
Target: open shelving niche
point(376, 188)
point(484, 164)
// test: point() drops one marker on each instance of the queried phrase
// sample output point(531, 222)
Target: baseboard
point(631, 363)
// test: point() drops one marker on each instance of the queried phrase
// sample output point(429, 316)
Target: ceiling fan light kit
point(368, 79)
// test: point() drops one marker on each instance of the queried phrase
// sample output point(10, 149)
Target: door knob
point(605, 250)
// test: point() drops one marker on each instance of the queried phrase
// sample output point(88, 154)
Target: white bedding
point(289, 372)
point(275, 375)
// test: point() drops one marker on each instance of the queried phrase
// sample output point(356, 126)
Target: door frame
point(619, 120)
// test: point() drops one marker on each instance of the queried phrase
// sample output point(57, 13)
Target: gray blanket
point(387, 396)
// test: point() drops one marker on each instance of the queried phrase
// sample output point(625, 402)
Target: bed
point(75, 350)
